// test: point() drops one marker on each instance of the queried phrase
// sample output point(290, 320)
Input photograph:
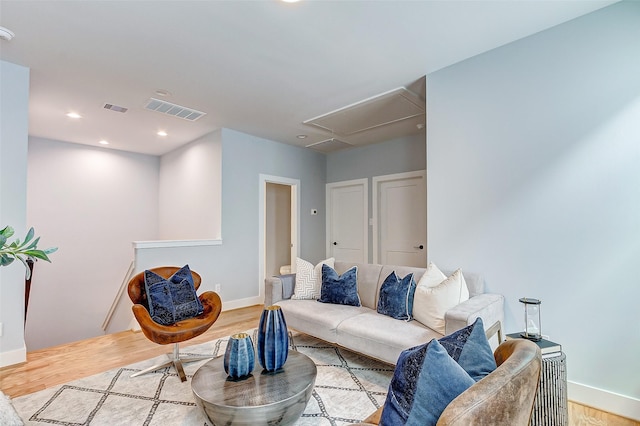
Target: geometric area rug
point(348, 388)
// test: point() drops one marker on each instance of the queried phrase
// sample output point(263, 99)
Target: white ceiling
point(259, 67)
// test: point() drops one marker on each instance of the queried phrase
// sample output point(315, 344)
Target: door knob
point(419, 247)
point(335, 243)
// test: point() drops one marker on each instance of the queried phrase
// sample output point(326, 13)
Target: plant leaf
point(5, 260)
point(33, 244)
point(7, 231)
point(29, 236)
point(39, 254)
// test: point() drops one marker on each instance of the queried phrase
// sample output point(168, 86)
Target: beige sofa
point(362, 329)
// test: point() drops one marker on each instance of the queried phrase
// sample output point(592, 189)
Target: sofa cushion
point(396, 297)
point(307, 317)
point(339, 289)
point(172, 299)
point(431, 303)
point(426, 379)
point(470, 348)
point(369, 279)
point(380, 336)
point(309, 279)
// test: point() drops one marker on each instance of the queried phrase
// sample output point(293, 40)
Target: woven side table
point(550, 407)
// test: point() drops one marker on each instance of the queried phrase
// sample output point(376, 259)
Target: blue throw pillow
point(396, 297)
point(426, 379)
point(172, 299)
point(339, 289)
point(470, 348)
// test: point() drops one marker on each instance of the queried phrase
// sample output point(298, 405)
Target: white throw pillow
point(309, 279)
point(432, 276)
point(431, 303)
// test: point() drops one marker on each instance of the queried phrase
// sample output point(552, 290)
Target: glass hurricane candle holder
point(532, 329)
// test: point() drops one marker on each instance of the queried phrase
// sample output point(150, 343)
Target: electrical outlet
point(217, 288)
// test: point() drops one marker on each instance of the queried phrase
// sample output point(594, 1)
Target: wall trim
point(242, 303)
point(16, 356)
point(175, 243)
point(611, 402)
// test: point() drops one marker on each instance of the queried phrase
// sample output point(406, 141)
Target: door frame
point(377, 182)
point(364, 182)
point(262, 232)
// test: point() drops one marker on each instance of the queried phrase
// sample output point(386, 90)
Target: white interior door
point(400, 219)
point(347, 218)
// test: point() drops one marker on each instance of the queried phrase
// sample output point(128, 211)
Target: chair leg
point(176, 361)
point(154, 367)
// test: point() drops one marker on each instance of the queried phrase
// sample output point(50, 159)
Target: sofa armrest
point(272, 291)
point(489, 307)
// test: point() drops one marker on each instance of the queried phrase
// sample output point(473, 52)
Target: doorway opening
point(279, 226)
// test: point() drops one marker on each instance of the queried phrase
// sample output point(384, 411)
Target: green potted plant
point(27, 249)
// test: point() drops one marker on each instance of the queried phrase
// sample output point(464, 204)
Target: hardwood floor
point(60, 364)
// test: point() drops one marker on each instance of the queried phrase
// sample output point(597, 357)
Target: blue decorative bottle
point(273, 339)
point(239, 358)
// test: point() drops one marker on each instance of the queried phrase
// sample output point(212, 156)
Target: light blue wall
point(91, 202)
point(244, 158)
point(235, 263)
point(396, 156)
point(534, 181)
point(14, 105)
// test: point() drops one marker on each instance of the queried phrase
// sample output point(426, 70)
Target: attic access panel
point(381, 110)
point(328, 145)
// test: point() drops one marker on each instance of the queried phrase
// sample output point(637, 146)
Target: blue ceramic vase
point(273, 339)
point(239, 358)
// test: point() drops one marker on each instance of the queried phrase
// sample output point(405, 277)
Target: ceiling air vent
point(115, 108)
point(329, 145)
point(168, 108)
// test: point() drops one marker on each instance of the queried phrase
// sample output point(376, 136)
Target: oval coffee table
point(262, 398)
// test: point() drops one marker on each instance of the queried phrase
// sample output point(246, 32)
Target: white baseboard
point(614, 403)
point(13, 357)
point(242, 303)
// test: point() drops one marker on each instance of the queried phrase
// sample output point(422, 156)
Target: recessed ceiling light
point(162, 92)
point(291, 1)
point(301, 136)
point(104, 142)
point(6, 34)
point(162, 133)
point(73, 115)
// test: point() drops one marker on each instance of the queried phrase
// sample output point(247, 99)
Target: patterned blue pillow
point(396, 297)
point(426, 379)
point(172, 299)
point(339, 289)
point(470, 348)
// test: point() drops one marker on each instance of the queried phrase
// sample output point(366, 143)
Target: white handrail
point(123, 285)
